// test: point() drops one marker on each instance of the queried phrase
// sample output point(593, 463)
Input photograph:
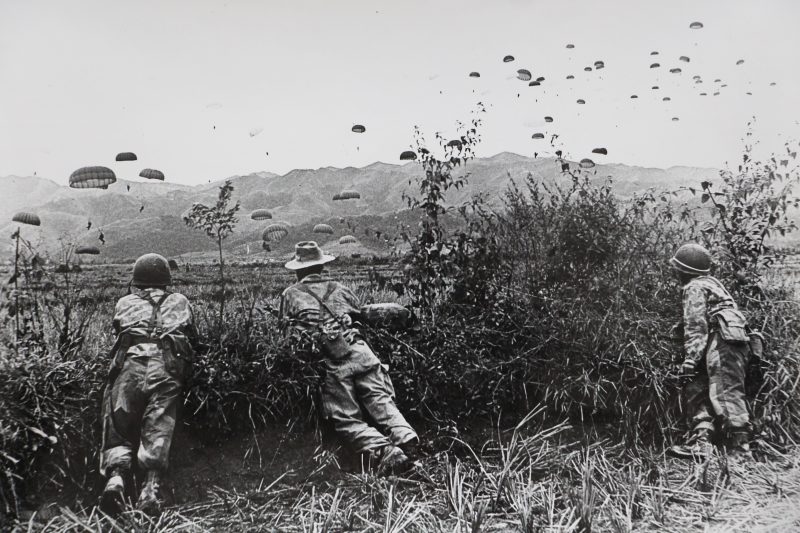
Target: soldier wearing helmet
point(717, 349)
point(150, 359)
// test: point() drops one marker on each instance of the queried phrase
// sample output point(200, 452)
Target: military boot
point(113, 498)
point(738, 444)
point(392, 461)
point(150, 501)
point(698, 446)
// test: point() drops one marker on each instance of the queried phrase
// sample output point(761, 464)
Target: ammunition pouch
point(332, 342)
point(732, 326)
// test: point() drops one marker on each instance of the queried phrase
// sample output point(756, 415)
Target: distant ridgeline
point(134, 217)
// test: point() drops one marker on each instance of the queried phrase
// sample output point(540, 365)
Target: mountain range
point(137, 216)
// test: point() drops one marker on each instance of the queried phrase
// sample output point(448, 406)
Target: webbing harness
point(156, 322)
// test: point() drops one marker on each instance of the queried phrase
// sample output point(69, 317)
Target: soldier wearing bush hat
point(356, 385)
point(150, 358)
point(717, 348)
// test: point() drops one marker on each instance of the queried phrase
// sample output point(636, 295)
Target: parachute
point(580, 101)
point(274, 233)
point(24, 217)
point(654, 87)
point(570, 77)
point(126, 156)
point(655, 65)
point(570, 46)
point(685, 59)
point(695, 25)
point(358, 128)
point(740, 62)
point(255, 131)
point(534, 84)
point(347, 239)
point(599, 64)
point(717, 80)
point(587, 163)
point(87, 250)
point(323, 228)
point(634, 96)
point(538, 136)
point(703, 94)
point(92, 178)
point(675, 119)
point(408, 155)
point(474, 74)
point(666, 99)
point(587, 69)
point(540, 79)
point(654, 53)
point(601, 151)
point(773, 84)
point(548, 119)
point(152, 174)
point(674, 71)
point(524, 74)
point(347, 194)
point(508, 59)
point(260, 214)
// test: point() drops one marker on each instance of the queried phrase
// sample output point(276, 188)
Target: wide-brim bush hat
point(308, 254)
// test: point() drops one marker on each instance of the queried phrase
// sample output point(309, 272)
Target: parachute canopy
point(255, 131)
point(508, 59)
point(601, 151)
point(654, 53)
point(587, 69)
point(696, 25)
point(685, 59)
point(540, 79)
point(534, 83)
point(634, 96)
point(570, 46)
point(587, 163)
point(92, 178)
point(581, 101)
point(570, 77)
point(524, 74)
point(274, 233)
point(260, 214)
point(675, 119)
point(474, 74)
point(358, 128)
point(666, 99)
point(537, 136)
point(408, 155)
point(347, 194)
point(675, 71)
point(599, 64)
point(126, 156)
point(548, 119)
point(152, 174)
point(740, 62)
point(23, 217)
point(655, 65)
point(323, 228)
point(87, 250)
point(347, 239)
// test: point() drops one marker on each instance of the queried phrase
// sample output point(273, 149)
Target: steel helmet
point(691, 259)
point(151, 270)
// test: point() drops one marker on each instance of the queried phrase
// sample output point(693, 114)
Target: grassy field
point(512, 472)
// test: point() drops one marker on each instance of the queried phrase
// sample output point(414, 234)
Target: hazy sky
point(185, 83)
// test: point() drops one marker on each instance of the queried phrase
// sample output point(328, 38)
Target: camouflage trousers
point(139, 412)
point(716, 393)
point(357, 389)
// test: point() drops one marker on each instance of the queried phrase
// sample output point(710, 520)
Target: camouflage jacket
point(301, 314)
point(133, 312)
point(703, 297)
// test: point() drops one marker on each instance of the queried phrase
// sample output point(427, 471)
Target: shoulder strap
point(303, 287)
point(156, 320)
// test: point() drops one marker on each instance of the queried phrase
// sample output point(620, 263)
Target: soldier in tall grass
point(150, 359)
point(717, 350)
point(318, 312)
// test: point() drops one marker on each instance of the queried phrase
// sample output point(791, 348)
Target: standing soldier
point(717, 350)
point(150, 359)
point(356, 385)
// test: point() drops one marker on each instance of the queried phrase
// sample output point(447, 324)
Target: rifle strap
point(331, 287)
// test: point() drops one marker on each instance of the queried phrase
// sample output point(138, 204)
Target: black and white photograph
point(415, 266)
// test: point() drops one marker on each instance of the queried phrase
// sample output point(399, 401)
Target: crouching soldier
point(150, 359)
point(356, 386)
point(717, 350)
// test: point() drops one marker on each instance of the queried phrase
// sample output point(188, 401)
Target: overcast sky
point(184, 84)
